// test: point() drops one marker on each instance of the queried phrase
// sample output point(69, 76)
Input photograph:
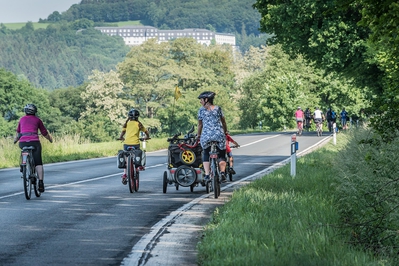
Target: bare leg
point(40, 171)
point(206, 167)
point(222, 166)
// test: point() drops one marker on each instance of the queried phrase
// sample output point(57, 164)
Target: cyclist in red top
point(27, 135)
point(229, 152)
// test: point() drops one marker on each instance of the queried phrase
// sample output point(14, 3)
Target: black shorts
point(221, 154)
point(37, 152)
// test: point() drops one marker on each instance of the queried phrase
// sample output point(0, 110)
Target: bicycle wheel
point(26, 181)
point(35, 185)
point(130, 171)
point(136, 181)
point(208, 187)
point(215, 179)
point(165, 181)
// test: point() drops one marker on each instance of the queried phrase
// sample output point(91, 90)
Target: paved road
point(87, 217)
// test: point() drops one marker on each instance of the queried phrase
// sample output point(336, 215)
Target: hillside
point(58, 56)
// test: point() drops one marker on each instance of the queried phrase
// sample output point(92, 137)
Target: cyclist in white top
point(318, 116)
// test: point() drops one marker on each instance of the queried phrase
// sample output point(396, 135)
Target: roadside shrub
point(368, 192)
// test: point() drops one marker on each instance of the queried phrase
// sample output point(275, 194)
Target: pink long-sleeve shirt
point(28, 126)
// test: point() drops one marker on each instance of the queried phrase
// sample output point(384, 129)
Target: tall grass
point(281, 220)
point(68, 148)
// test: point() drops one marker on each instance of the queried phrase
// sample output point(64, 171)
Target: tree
point(102, 96)
point(345, 37)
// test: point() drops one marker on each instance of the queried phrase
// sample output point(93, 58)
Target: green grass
point(19, 25)
point(37, 25)
point(69, 148)
point(129, 23)
point(281, 220)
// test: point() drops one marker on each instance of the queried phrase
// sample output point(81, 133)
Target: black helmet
point(30, 109)
point(133, 113)
point(207, 94)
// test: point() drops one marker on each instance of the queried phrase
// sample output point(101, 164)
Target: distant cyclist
point(132, 129)
point(344, 118)
point(27, 135)
point(308, 118)
point(300, 117)
point(318, 117)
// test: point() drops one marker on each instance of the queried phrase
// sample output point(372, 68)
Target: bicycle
point(319, 128)
point(308, 122)
point(299, 125)
point(214, 182)
point(134, 162)
point(29, 175)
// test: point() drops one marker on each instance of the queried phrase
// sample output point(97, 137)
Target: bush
point(368, 192)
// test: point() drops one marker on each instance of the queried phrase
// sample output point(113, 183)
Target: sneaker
point(207, 178)
point(231, 171)
point(41, 186)
point(223, 176)
point(124, 179)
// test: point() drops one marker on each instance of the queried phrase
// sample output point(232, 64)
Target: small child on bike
point(132, 129)
point(229, 153)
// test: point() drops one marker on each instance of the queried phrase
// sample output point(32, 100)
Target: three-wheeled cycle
point(184, 162)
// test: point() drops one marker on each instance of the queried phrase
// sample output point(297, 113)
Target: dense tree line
point(263, 85)
point(233, 16)
point(62, 55)
point(356, 39)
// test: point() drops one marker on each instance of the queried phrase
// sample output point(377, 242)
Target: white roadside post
point(335, 134)
point(294, 148)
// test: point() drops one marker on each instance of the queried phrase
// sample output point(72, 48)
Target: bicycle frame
point(131, 170)
point(214, 173)
point(28, 172)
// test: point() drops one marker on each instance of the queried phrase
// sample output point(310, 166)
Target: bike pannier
point(121, 159)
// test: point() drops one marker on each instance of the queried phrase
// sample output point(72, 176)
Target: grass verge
point(281, 220)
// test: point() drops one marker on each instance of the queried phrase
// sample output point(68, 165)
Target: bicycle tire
point(34, 179)
point(215, 179)
point(165, 182)
point(130, 173)
point(35, 186)
point(136, 181)
point(26, 182)
point(208, 187)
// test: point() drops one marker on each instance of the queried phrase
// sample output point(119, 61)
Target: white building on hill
point(136, 35)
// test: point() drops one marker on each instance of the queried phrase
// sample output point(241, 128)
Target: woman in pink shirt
point(27, 135)
point(299, 116)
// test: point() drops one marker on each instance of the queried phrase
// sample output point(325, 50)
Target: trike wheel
point(185, 176)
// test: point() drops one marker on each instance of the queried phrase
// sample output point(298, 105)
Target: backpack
point(307, 114)
point(329, 115)
point(333, 115)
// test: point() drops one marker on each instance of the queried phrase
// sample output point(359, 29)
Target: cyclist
point(331, 118)
point(212, 127)
point(318, 117)
point(308, 118)
point(27, 135)
point(344, 117)
point(299, 116)
point(132, 129)
point(229, 152)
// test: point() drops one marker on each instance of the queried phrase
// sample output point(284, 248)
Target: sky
point(31, 10)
